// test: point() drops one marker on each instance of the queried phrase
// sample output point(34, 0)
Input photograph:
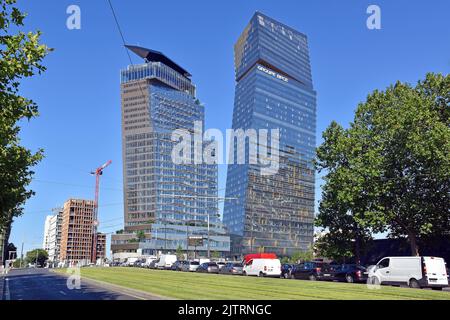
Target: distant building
point(46, 242)
point(274, 90)
point(77, 230)
point(54, 236)
point(166, 202)
point(101, 246)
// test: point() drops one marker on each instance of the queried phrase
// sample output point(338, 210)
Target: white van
point(166, 261)
point(416, 272)
point(262, 268)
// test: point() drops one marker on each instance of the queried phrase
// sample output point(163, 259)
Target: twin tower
point(173, 206)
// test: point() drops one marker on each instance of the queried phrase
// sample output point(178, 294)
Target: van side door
point(384, 270)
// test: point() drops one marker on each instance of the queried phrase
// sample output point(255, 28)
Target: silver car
point(191, 266)
point(232, 268)
point(208, 267)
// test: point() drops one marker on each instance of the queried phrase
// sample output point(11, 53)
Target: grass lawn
point(183, 285)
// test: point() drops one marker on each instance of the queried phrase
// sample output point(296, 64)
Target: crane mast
point(98, 172)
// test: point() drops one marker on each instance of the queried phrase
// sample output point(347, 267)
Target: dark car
point(178, 265)
point(286, 269)
point(232, 268)
point(312, 270)
point(208, 267)
point(345, 272)
point(138, 263)
point(152, 264)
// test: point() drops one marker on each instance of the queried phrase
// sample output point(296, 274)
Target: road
point(41, 284)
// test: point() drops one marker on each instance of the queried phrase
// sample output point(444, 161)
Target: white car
point(166, 261)
point(416, 272)
point(262, 268)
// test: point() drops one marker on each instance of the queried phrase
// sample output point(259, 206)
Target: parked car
point(232, 268)
point(345, 272)
point(261, 265)
point(148, 261)
point(220, 264)
point(166, 261)
point(286, 270)
point(312, 270)
point(138, 263)
point(417, 272)
point(153, 264)
point(190, 266)
point(208, 267)
point(178, 264)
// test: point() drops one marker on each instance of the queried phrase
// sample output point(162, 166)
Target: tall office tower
point(274, 90)
point(77, 233)
point(54, 236)
point(46, 240)
point(167, 205)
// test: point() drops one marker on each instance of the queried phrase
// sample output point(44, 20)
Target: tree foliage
point(21, 55)
point(37, 255)
point(389, 171)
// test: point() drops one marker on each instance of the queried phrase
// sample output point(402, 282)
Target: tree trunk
point(413, 244)
point(357, 250)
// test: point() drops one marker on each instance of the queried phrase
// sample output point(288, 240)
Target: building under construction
point(77, 233)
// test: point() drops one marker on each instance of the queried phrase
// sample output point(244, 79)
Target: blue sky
point(79, 97)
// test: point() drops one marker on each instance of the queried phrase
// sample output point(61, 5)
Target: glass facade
point(273, 91)
point(169, 202)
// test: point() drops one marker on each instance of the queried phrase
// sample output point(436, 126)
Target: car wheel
point(286, 275)
point(244, 273)
point(349, 278)
point(413, 283)
point(312, 277)
point(437, 288)
point(261, 274)
point(373, 280)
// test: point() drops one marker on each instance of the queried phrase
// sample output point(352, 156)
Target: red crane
point(98, 172)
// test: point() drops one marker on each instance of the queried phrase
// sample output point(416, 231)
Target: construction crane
point(98, 172)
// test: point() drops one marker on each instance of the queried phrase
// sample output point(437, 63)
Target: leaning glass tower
point(167, 205)
point(274, 90)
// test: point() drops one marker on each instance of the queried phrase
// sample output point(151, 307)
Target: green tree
point(390, 170)
point(21, 55)
point(19, 263)
point(215, 255)
point(37, 255)
point(347, 195)
point(140, 235)
point(179, 253)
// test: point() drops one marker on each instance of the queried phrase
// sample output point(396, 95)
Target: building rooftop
point(156, 56)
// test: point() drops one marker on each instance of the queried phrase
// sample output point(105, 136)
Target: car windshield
point(195, 263)
point(237, 265)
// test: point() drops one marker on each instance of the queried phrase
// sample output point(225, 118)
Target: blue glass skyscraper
point(274, 90)
point(167, 205)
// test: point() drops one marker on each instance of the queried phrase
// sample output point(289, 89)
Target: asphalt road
point(41, 284)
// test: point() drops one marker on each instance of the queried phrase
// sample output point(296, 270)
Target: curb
point(142, 295)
